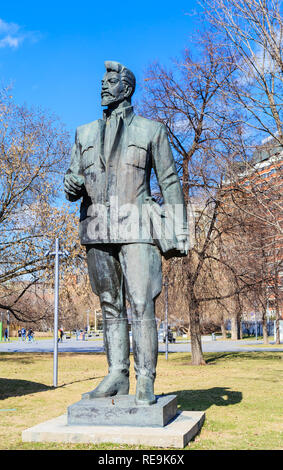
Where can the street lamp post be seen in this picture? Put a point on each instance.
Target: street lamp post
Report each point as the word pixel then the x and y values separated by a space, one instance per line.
pixel 1 326
pixel 56 255
pixel 166 284
pixel 87 321
pixel 56 311
pixel 8 324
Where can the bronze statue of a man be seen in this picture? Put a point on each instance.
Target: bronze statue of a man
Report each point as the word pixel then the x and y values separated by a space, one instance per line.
pixel 110 170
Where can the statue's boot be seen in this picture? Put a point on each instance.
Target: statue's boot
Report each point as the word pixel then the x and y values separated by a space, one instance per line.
pixel 116 341
pixel 145 349
pixel 145 391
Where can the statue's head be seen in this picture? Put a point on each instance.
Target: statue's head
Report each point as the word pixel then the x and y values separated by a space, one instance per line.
pixel 118 84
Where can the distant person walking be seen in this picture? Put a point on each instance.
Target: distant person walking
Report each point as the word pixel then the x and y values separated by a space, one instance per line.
pixel 61 333
pixel 30 334
pixel 6 335
pixel 24 334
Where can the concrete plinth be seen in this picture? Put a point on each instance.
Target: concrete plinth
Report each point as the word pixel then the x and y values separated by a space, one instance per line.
pixel 175 434
pixel 121 410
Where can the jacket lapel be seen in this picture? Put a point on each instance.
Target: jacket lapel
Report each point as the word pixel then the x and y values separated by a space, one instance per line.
pixel 128 117
pixel 101 132
pixel 116 138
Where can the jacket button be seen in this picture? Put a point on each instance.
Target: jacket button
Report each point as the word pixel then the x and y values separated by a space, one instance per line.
pixel 107 203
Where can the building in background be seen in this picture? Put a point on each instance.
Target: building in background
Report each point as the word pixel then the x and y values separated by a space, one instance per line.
pixel 257 187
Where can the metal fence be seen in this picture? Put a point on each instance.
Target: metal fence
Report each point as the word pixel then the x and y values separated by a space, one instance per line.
pixel 253 328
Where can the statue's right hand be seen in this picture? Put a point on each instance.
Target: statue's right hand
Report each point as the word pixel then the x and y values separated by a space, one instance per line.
pixel 73 184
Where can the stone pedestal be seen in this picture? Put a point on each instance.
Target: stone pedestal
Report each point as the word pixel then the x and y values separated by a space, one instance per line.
pixel 119 420
pixel 176 434
pixel 121 410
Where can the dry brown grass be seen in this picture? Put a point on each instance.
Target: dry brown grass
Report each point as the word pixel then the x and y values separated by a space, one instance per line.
pixel 241 394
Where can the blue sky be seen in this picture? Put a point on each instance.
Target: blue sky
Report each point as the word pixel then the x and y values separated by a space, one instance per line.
pixel 53 52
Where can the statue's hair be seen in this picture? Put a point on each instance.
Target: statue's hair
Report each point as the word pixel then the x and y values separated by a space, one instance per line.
pixel 126 74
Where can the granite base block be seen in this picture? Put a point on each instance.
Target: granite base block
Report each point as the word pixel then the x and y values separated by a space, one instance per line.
pixel 121 410
pixel 176 434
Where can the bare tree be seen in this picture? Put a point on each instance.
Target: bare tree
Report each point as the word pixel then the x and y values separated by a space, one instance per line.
pixel 253 32
pixel 189 100
pixel 33 151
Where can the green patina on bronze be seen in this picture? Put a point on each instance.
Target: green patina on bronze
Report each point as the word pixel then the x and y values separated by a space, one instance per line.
pixel 112 158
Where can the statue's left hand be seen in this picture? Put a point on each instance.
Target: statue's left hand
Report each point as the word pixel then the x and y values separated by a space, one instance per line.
pixel 73 184
pixel 183 244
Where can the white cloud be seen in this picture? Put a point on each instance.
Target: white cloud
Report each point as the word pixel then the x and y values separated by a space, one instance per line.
pixel 12 35
pixel 8 28
pixel 10 41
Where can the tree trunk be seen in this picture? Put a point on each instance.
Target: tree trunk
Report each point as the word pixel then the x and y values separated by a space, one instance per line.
pixel 194 315
pixel 240 334
pixel 235 327
pixel 277 318
pixel 196 349
pixel 223 329
pixel 264 327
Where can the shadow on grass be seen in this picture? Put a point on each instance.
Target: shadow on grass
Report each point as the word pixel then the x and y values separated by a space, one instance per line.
pixel 201 400
pixel 213 358
pixel 80 381
pixel 11 357
pixel 17 388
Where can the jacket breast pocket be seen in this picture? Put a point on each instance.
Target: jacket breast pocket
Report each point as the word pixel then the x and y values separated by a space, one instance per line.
pixel 136 155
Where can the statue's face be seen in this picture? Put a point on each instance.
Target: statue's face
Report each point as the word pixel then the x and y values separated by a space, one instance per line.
pixel 113 89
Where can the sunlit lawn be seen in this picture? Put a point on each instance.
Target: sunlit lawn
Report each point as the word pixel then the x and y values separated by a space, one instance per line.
pixel 241 394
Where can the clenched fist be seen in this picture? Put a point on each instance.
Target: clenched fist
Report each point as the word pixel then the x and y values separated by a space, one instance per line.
pixel 73 186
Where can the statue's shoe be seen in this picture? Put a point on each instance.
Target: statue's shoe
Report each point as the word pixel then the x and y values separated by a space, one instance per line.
pixel 115 383
pixel 144 391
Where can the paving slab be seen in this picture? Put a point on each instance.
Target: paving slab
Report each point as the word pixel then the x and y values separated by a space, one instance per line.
pixel 177 433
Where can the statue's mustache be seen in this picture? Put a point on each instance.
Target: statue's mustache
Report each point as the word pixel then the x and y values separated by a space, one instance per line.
pixel 106 93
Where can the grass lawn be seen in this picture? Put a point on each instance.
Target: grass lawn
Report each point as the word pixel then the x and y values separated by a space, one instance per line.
pixel 241 394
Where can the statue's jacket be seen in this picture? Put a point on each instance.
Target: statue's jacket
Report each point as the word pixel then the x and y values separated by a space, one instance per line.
pixel 116 195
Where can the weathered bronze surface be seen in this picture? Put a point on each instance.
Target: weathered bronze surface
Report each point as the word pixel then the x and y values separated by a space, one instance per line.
pixel 110 169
